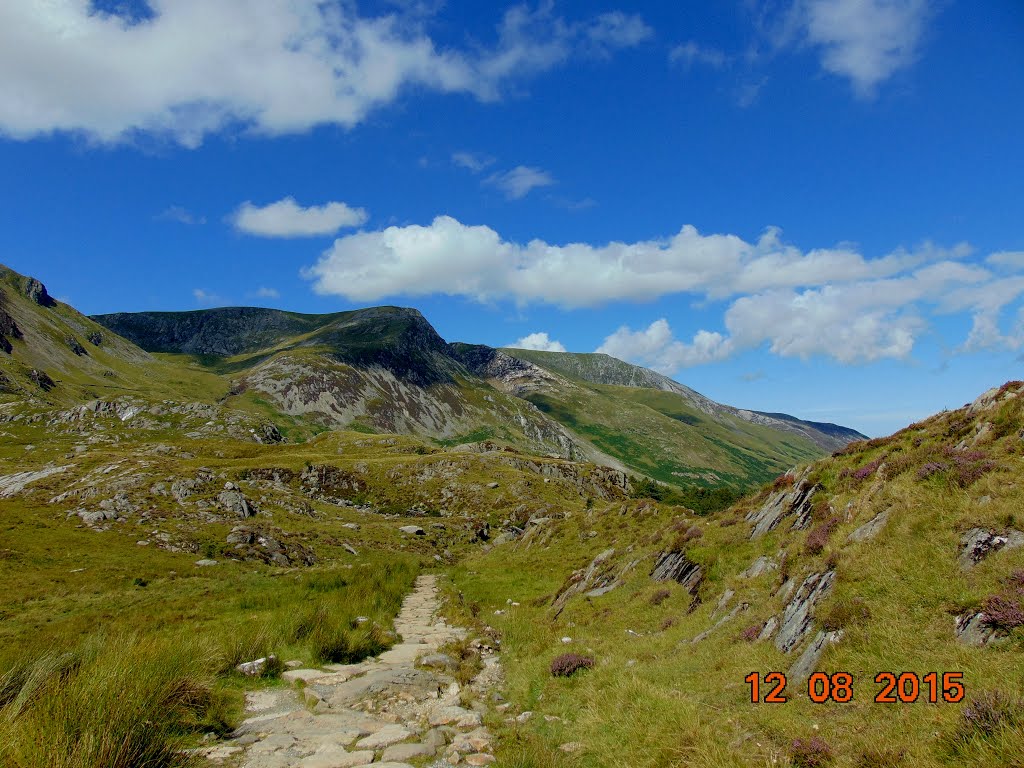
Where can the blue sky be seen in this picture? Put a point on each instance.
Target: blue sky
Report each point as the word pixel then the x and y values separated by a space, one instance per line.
pixel 809 206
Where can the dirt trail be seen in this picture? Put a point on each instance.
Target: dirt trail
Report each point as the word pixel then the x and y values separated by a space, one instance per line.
pixel 380 712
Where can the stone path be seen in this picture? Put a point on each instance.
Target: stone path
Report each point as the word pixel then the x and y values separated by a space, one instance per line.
pixel 381 712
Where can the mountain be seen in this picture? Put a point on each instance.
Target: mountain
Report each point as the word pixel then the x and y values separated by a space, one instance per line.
pixel 387 369
pixel 603 369
pixel 166 518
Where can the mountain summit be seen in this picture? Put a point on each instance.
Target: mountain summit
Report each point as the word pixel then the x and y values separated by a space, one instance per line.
pixel 387 369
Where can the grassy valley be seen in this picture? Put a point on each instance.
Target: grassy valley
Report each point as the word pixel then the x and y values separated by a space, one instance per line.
pixel 270 486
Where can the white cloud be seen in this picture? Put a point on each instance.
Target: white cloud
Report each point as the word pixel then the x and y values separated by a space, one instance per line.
pixel 205 297
pixel 520 181
pixel 472 161
pixel 286 218
pixel 180 215
pixel 825 301
pixel 267 293
pixel 1009 260
pixel 274 66
pixel 690 53
pixel 538 341
pixel 614 30
pixel 656 347
pixel 865 41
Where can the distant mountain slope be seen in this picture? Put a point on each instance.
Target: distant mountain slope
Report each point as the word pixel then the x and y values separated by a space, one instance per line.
pixel 386 369
pixel 603 369
pixel 52 353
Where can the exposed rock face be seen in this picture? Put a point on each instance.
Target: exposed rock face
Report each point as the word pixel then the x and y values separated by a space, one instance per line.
pixel 8 328
pixel 36 291
pixel 871 528
pixel 737 609
pixel 783 503
pixel 11 485
pixel 761 565
pixel 511 374
pixel 675 566
pixel 797 615
pixel 334 485
pixel 235 502
pixel 978 543
pixel 805 666
pixel 41 380
pixel 269 546
pixel 75 346
pixel 972 629
pixel 96 338
pixel 598 578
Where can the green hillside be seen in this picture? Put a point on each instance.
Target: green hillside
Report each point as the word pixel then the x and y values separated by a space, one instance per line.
pixel 901 555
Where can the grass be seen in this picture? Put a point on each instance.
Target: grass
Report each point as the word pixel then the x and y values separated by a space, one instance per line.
pixel 655 699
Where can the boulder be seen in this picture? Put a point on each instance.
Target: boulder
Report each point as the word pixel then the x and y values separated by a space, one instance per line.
pixel 233 501
pixel 385 737
pixel 413 530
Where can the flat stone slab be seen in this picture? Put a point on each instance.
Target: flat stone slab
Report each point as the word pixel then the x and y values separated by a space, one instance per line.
pixel 302 674
pixel 385 737
pixel 403 752
pixel 329 758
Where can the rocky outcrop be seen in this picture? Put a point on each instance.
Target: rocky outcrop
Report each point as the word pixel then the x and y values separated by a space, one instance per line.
pixel 762 565
pixel 972 629
pixel 75 346
pixel 268 545
pixel 805 666
pixel 331 484
pixel 870 529
pixel 8 328
pixel 978 543
pixel 12 485
pixel 798 613
pixel 677 567
pixel 788 501
pixel 601 576
pixel 41 380
pixel 233 501
pixel 36 292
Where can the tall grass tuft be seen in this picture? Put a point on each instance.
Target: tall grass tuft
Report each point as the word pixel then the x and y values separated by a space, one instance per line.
pixel 115 702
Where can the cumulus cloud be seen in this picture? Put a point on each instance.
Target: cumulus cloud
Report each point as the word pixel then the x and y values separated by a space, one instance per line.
pixel 539 341
pixel 801 303
pixel 520 181
pixel 275 66
pixel 657 348
pixel 286 218
pixel 865 41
